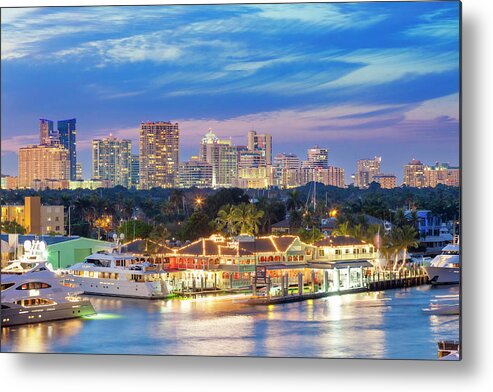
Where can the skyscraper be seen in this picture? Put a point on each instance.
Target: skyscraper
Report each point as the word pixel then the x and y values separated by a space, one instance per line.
pixel 195 173
pixel 286 170
pixel 318 158
pixel 441 173
pixel 42 163
pixel 261 143
pixel 222 155
pixel 45 131
pixel 386 181
pixel 112 160
pixel 134 171
pixel 159 154
pixel 67 136
pixel 365 171
pixel 331 175
pixel 78 170
pixel 414 174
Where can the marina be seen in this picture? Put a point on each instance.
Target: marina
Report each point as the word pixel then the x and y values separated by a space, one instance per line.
pixel 382 324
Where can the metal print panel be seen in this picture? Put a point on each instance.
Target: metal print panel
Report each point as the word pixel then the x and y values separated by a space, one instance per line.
pixel 272 180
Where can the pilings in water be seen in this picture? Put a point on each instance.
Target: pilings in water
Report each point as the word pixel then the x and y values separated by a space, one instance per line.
pixel 375 282
pixel 396 279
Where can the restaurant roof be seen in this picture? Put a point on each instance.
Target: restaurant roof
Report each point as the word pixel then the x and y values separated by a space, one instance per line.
pixel 339 240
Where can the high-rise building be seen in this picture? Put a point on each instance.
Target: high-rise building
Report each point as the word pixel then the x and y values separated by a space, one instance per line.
pixel 45 131
pixel 250 159
pixel 286 169
pixel 386 181
pixel 261 143
pixel 78 171
pixel 134 171
pixel 195 173
pixel 365 171
pixel 42 163
pixel 67 137
pixel 331 175
pixel 414 175
pixel 441 173
pixel 159 154
pixel 318 158
pixel 222 155
pixel 112 160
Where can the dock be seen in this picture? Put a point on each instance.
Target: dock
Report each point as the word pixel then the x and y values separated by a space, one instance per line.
pixel 376 282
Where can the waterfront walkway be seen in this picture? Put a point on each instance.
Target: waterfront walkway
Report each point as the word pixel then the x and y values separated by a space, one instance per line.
pixel 289 293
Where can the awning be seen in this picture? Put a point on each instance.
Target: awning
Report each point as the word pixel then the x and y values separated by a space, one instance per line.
pixel 341 264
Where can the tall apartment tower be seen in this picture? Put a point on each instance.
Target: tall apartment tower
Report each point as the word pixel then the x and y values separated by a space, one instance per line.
pixel 67 136
pixel 286 168
pixel 222 155
pixel 261 143
pixel 318 158
pixel 134 171
pixel 414 174
pixel 195 173
pixel 159 154
pixel 45 131
pixel 43 163
pixel 365 171
pixel 112 160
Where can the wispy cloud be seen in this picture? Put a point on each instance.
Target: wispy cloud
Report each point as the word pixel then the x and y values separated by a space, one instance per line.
pixel 13 143
pixel 331 16
pixel 439 24
pixel 368 123
pixel 25 30
pixel 132 49
pixel 378 66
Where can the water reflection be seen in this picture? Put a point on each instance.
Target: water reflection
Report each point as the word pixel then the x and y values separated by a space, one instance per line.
pixel 387 324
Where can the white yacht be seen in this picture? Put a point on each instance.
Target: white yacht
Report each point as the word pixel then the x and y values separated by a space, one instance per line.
pixel 445 268
pixel 31 292
pixel 118 274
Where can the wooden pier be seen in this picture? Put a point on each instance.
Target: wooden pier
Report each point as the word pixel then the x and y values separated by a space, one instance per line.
pixel 376 282
pixel 393 280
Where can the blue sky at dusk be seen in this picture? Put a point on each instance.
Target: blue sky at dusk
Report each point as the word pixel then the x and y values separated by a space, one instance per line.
pixel 361 79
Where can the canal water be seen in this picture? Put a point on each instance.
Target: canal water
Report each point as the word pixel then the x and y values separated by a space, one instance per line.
pixel 388 324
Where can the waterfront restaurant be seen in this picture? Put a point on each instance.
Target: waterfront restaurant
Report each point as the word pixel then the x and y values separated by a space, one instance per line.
pixel 341 262
pixel 333 264
pixel 216 263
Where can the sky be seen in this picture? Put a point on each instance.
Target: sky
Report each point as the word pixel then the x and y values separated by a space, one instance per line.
pixel 361 79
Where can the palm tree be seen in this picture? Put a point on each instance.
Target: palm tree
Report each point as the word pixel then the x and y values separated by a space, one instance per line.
pixel 387 249
pixel 407 240
pixel 255 218
pixel 247 218
pixel 342 229
pixel 371 233
pixel 293 201
pixel 226 218
pixel 177 198
pixel 157 237
pixel 358 231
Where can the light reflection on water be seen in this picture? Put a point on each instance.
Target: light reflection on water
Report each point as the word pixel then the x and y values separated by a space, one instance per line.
pixel 387 324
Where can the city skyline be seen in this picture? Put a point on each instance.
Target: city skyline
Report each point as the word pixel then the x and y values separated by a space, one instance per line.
pixel 336 82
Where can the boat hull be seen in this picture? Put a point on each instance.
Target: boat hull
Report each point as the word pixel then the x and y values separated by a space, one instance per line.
pixel 21 315
pixel 121 288
pixel 443 275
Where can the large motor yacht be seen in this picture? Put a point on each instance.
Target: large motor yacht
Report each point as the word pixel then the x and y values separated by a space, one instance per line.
pixel 445 268
pixel 119 274
pixel 31 292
